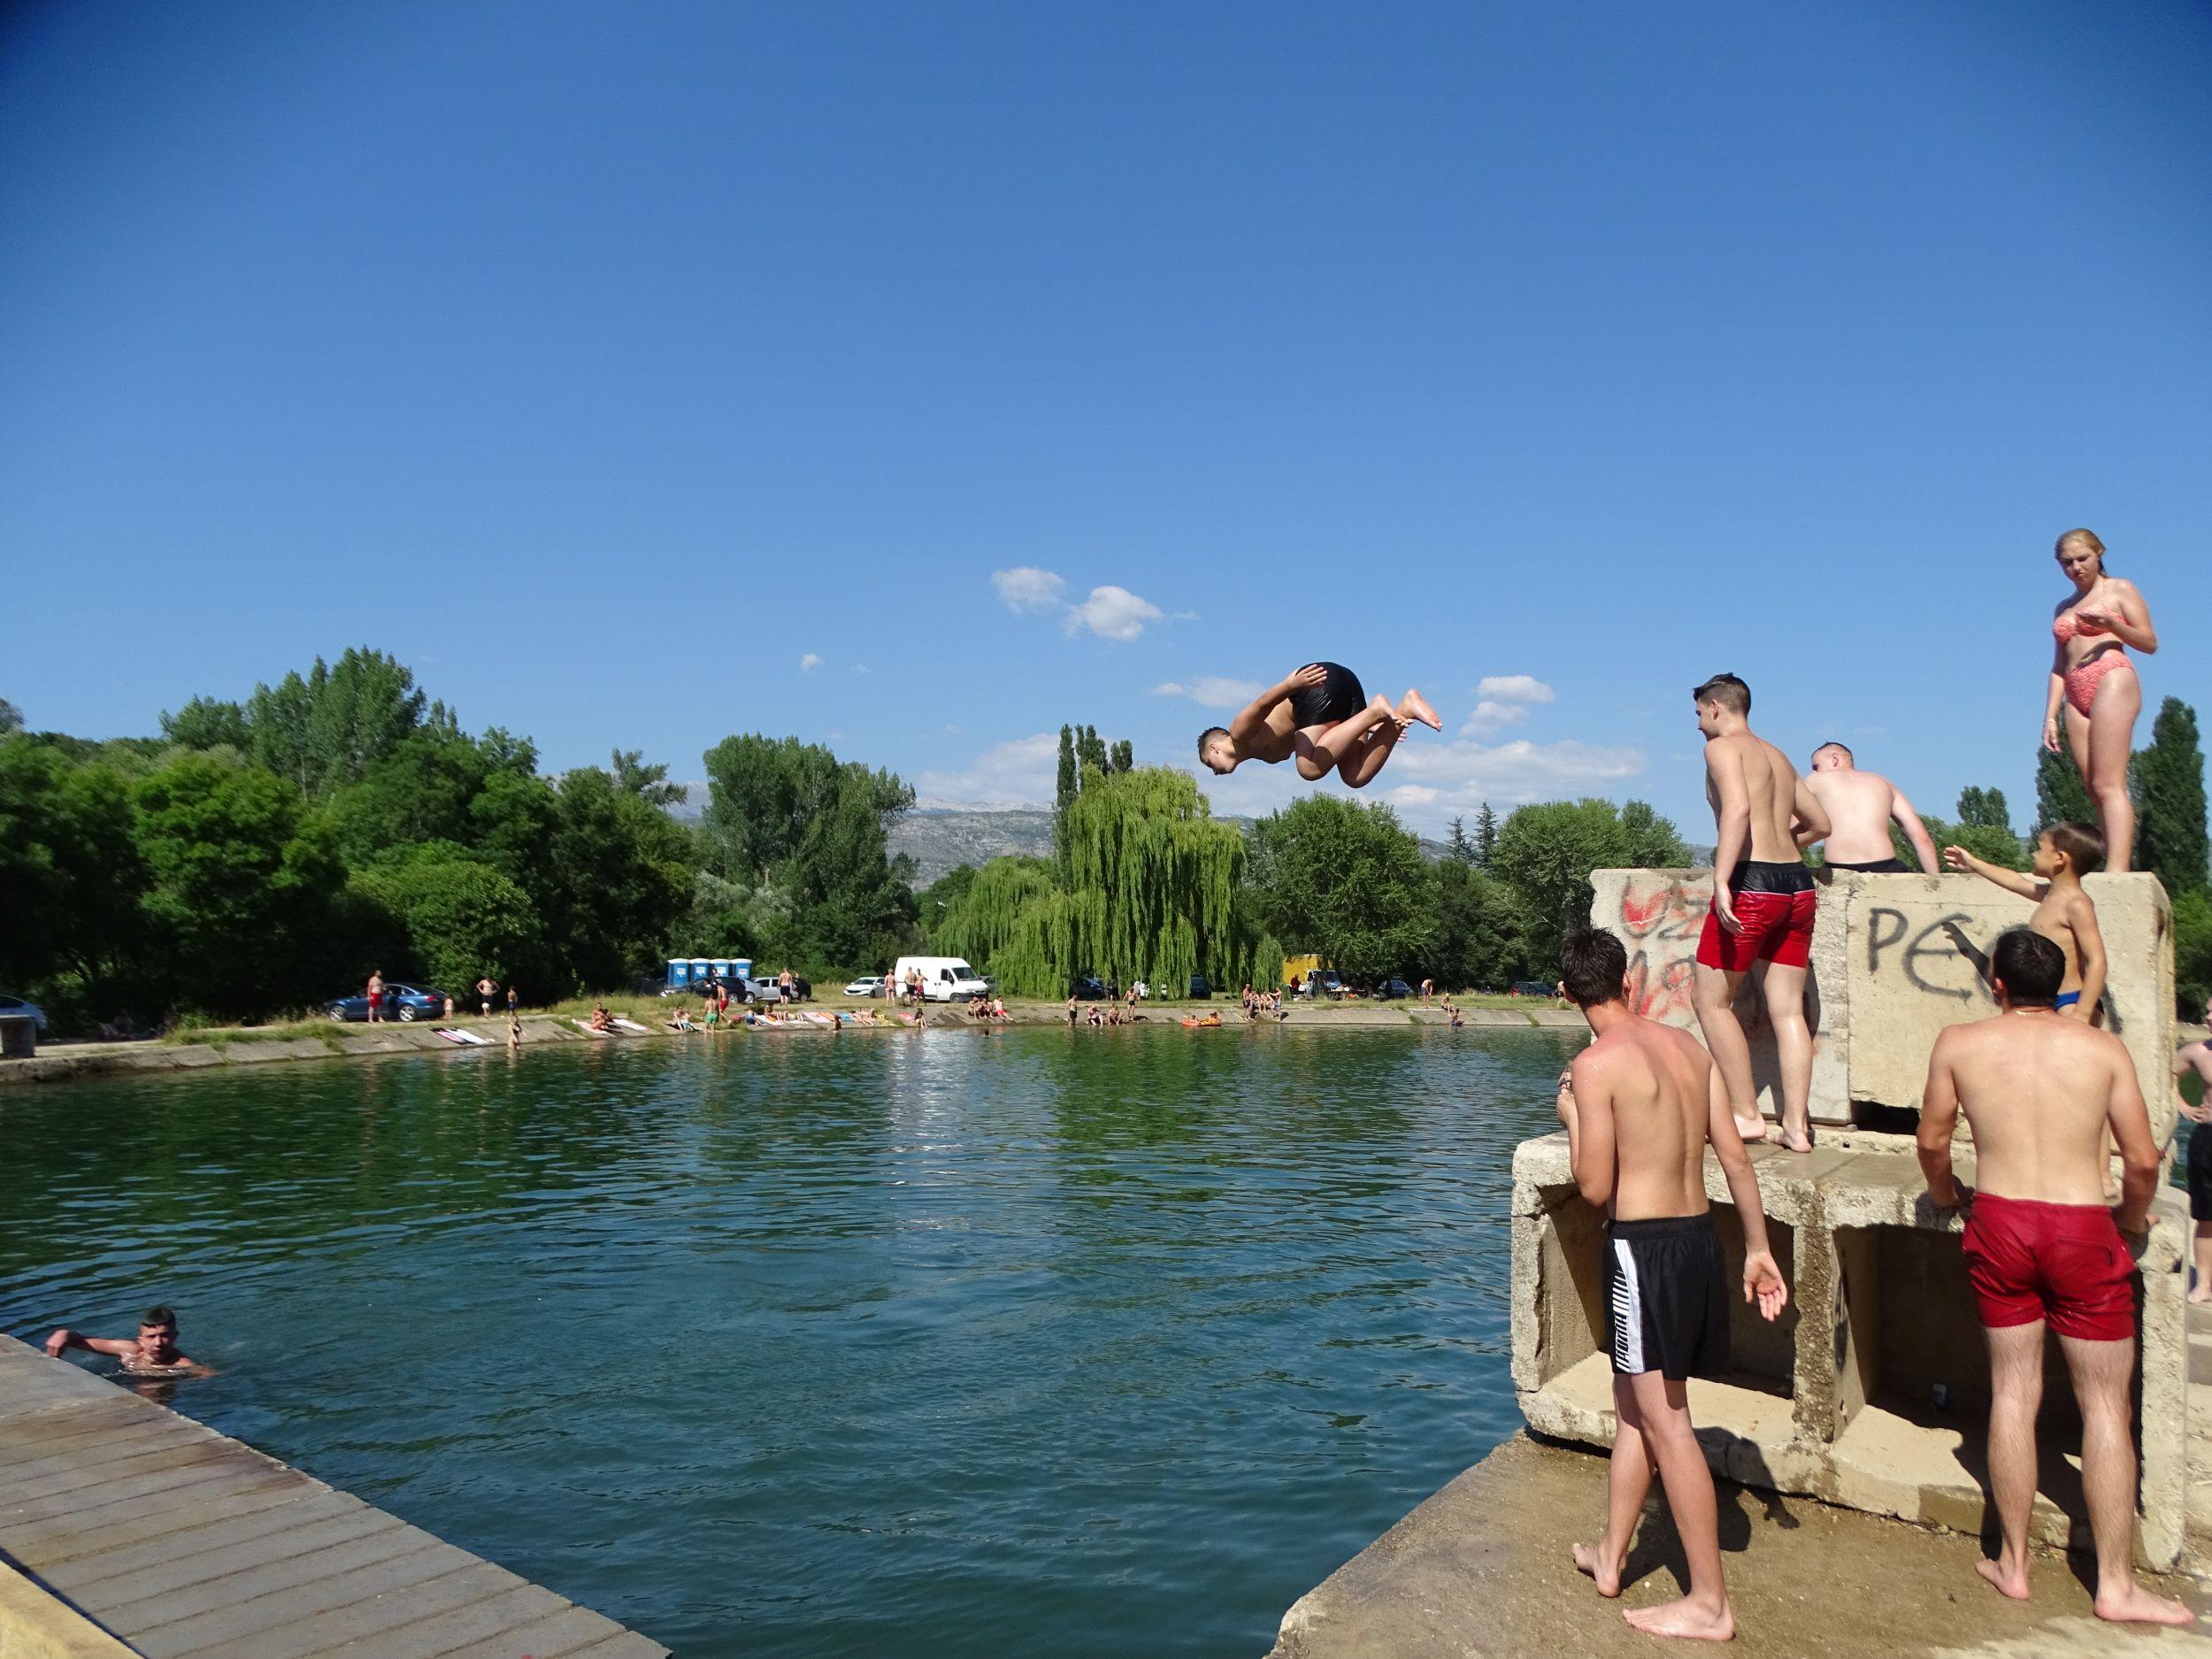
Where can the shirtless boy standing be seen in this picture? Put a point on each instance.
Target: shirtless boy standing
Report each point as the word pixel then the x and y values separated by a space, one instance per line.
pixel 1860 806
pixel 2040 1091
pixel 1322 718
pixel 153 1352
pixel 2064 914
pixel 1762 907
pixel 1640 1110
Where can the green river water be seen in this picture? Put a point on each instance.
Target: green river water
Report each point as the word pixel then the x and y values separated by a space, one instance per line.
pixel 1078 1343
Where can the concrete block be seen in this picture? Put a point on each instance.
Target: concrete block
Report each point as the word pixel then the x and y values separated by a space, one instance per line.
pixel 1873 1391
pixel 1894 960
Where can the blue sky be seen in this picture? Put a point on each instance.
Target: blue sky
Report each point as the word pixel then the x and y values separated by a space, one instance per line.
pixel 641 374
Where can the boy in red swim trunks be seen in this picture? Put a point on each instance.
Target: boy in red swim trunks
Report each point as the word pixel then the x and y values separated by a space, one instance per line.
pixel 2040 1090
pixel 1762 908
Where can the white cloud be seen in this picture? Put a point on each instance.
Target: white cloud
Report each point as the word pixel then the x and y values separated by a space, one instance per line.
pixel 808 662
pixel 1515 688
pixel 1026 588
pixel 1416 794
pixel 1213 691
pixel 1489 717
pixel 1112 613
pixel 1022 772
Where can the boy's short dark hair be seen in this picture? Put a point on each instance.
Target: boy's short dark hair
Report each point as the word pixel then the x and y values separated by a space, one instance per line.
pixel 1831 743
pixel 2081 843
pixel 2028 965
pixel 1728 691
pixel 1209 734
pixel 160 1315
pixel 1592 965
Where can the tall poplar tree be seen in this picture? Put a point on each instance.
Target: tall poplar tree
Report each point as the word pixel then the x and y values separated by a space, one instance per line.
pixel 2169 779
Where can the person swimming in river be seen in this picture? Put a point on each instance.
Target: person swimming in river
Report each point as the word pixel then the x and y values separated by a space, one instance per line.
pixel 1321 718
pixel 153 1353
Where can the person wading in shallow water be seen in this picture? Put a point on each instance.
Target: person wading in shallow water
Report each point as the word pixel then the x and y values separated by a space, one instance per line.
pixel 1640 1110
pixel 2040 1091
pixel 153 1352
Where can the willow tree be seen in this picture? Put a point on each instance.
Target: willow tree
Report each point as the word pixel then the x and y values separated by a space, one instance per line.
pixel 1152 890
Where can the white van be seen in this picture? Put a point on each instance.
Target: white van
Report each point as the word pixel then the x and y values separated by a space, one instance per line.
pixel 944 979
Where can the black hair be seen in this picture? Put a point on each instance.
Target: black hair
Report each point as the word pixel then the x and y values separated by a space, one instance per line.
pixel 2030 967
pixel 1209 734
pixel 1728 691
pixel 1592 965
pixel 1832 743
pixel 160 1315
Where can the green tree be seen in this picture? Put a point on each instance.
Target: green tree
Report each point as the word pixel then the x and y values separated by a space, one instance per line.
pixel 10 718
pixel 2061 797
pixel 1486 836
pixel 1653 841
pixel 208 723
pixel 461 919
pixel 326 730
pixel 2193 952
pixel 1459 845
pixel 649 784
pixel 1478 925
pixel 1122 756
pixel 240 885
pixel 423 789
pixel 2169 788
pixel 623 871
pixel 70 872
pixel 1346 881
pixel 979 913
pixel 1984 809
pixel 1545 854
pixel 941 897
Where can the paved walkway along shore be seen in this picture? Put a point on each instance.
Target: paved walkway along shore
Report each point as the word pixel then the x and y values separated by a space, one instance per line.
pixel 73 1061
pixel 121 1516
pixel 1481 1571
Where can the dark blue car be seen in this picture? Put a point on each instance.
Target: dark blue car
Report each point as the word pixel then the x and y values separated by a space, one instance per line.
pixel 400 1001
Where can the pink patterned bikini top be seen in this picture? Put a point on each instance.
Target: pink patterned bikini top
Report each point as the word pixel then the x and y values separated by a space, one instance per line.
pixel 2064 628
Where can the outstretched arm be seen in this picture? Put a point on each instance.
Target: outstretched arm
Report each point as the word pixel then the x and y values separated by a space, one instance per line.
pixel 1253 720
pixel 1762 1281
pixel 1938 1120
pixel 1908 820
pixel 64 1339
pixel 2010 880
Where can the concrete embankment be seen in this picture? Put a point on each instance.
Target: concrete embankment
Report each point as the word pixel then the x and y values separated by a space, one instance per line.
pixel 74 1062
pixel 1483 1568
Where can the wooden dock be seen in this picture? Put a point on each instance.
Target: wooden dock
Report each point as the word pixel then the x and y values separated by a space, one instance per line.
pixel 180 1541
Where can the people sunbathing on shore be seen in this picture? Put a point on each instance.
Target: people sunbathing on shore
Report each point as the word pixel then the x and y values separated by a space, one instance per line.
pixel 601 1020
pixel 1321 718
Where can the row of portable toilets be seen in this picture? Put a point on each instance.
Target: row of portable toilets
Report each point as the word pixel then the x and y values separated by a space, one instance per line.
pixel 690 971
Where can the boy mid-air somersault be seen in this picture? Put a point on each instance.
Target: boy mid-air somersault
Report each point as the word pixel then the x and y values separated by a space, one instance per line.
pixel 1639 1109
pixel 1323 718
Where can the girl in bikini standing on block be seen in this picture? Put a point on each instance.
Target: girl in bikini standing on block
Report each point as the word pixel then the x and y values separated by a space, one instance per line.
pixel 2093 686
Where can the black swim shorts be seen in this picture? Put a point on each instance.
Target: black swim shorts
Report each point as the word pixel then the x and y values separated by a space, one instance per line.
pixel 1666 1297
pixel 2201 1171
pixel 1879 867
pixel 1338 698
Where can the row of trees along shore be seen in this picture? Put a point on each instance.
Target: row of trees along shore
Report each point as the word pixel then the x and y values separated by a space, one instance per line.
pixel 259 857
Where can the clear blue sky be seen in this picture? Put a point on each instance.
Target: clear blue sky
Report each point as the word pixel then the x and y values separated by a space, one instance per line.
pixel 608 362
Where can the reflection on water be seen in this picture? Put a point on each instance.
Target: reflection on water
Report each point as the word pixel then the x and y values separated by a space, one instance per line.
pixel 1080 1342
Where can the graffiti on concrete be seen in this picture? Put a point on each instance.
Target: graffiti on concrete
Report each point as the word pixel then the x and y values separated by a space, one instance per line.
pixel 1659 921
pixel 1886 928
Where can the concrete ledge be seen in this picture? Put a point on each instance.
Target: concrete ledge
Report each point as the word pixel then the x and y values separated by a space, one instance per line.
pixel 1838 1400
pixel 35 1624
pixel 1482 1570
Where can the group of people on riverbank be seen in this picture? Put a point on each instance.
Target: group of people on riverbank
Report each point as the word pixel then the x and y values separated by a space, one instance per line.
pixel 2046 1091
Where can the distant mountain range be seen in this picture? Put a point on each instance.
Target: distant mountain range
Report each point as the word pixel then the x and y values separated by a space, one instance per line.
pixel 942 839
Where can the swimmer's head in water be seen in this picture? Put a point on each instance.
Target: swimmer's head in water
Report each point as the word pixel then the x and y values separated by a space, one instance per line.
pixel 1217 749
pixel 1831 756
pixel 1593 967
pixel 157 1331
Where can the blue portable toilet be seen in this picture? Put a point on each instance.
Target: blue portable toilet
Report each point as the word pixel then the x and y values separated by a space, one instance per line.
pixel 701 969
pixel 721 967
pixel 741 967
pixel 679 972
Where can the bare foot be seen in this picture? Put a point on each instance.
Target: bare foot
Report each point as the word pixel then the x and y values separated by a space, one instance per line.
pixel 2130 1603
pixel 2009 1580
pixel 1414 706
pixel 1756 1131
pixel 1684 1617
pixel 1591 1558
pixel 2201 1294
pixel 1796 1143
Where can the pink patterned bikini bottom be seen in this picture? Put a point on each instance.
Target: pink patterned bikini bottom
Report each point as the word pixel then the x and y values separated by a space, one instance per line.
pixel 2082 679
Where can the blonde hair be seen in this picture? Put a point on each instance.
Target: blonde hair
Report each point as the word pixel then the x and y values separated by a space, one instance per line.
pixel 2085 538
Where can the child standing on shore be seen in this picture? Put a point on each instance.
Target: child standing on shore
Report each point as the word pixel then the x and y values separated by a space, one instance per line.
pixel 2064 914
